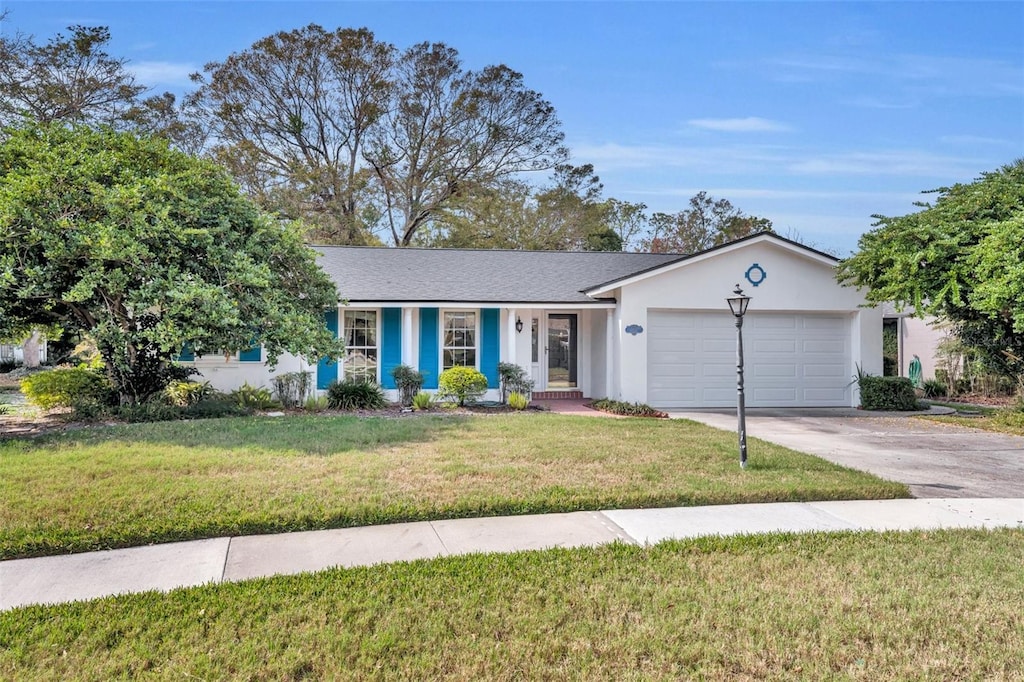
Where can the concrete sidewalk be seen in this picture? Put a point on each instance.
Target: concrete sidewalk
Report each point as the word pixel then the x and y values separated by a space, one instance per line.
pixel 164 567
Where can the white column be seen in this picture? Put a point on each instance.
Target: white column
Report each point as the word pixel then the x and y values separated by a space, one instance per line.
pixel 407 336
pixel 609 353
pixel 510 332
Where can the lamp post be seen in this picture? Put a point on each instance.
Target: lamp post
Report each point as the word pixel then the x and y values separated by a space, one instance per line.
pixel 738 305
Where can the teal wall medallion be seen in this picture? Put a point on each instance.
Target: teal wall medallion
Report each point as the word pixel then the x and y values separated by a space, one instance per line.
pixel 755 274
pixel 634 329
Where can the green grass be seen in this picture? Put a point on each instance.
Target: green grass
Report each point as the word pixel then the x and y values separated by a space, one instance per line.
pixel 1000 420
pixel 130 485
pixel 940 605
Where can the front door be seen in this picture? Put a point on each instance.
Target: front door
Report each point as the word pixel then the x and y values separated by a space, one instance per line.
pixel 561 350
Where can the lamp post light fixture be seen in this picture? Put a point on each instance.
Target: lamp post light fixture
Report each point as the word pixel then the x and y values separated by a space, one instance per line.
pixel 519 325
pixel 738 303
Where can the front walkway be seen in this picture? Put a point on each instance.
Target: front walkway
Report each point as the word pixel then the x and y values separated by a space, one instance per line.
pixel 65 578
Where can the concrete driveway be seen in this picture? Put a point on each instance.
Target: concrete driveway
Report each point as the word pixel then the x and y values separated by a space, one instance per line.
pixel 935 460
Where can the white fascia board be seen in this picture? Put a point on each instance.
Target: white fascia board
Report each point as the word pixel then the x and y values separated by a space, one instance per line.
pixel 582 305
pixel 606 289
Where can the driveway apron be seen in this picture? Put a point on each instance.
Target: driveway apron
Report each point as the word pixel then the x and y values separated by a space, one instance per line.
pixel 934 459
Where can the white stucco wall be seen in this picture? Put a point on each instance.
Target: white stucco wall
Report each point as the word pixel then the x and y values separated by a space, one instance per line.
pixel 793 282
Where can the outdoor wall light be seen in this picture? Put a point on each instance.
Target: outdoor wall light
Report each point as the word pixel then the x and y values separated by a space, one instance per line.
pixel 738 305
pixel 519 325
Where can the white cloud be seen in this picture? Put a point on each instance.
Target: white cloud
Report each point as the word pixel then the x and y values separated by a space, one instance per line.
pixel 909 163
pixel 153 74
pixel 750 124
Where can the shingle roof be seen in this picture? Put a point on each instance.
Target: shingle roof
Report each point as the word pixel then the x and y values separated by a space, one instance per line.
pixel 364 273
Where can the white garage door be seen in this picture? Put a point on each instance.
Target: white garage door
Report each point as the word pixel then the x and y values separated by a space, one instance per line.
pixel 790 360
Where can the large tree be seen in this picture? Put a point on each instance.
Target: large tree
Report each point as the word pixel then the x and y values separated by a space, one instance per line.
pixel 706 223
pixel 343 129
pixel 70 78
pixel 567 214
pixel 147 249
pixel 960 258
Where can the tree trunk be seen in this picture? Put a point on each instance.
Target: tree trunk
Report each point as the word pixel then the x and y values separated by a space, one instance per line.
pixel 30 350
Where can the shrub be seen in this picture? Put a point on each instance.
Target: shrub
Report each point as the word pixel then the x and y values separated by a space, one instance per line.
pixel 518 401
pixel 315 403
pixel 627 409
pixel 150 411
pixel 355 395
pixel 7 366
pixel 64 386
pixel 422 401
pixel 933 388
pixel 461 384
pixel 408 381
pixel 513 379
pixel 887 393
pixel 185 393
pixel 214 408
pixel 252 397
pixel 292 388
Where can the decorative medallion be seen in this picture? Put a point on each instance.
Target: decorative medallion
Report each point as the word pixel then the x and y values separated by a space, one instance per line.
pixel 756 274
pixel 634 329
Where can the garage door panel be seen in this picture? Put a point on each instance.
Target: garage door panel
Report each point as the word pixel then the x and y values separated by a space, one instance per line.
pixel 764 370
pixel 835 346
pixel 790 359
pixel 770 345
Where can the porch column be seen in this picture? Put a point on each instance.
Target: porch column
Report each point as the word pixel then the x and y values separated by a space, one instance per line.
pixel 510 331
pixel 407 336
pixel 609 352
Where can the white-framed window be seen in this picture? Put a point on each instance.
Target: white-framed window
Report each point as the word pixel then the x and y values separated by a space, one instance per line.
pixel 359 331
pixel 459 339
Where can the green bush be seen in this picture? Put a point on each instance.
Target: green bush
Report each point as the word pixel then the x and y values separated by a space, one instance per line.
pixel 355 395
pixel 422 401
pixel 408 381
pixel 315 403
pixel 65 386
pixel 518 401
pixel 512 379
pixel 160 411
pixel 887 393
pixel 461 384
pixel 933 388
pixel 185 393
pixel 252 397
pixel 627 409
pixel 292 388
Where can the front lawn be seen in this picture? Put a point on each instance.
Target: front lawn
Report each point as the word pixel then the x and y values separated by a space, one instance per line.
pixel 1002 420
pixel 130 485
pixel 936 605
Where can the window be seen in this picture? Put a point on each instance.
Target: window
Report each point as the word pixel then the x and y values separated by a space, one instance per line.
pixel 459 345
pixel 360 334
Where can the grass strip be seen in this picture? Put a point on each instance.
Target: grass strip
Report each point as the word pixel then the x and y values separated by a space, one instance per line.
pixel 916 605
pixel 137 484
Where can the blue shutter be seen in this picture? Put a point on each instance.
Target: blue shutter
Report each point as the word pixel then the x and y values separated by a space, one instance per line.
pixel 390 344
pixel 187 354
pixel 327 369
pixel 428 346
pixel 490 344
pixel 254 354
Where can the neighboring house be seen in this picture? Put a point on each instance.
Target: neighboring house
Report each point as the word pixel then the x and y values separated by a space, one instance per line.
pixel 14 353
pixel 651 328
pixel 916 337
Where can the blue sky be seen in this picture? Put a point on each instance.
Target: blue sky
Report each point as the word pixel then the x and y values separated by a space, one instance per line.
pixel 815 115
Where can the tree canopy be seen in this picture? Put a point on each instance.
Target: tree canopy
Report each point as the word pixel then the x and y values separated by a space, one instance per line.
pixel 706 223
pixel 961 258
pixel 346 130
pixel 147 249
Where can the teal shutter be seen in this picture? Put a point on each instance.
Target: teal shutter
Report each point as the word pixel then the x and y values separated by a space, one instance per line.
pixel 390 344
pixel 254 354
pixel 327 369
pixel 186 354
pixel 429 351
pixel 490 345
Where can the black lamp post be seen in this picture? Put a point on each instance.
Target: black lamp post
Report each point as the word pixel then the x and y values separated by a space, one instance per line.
pixel 738 305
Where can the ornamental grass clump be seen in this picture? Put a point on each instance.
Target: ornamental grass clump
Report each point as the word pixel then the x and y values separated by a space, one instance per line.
pixel 355 395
